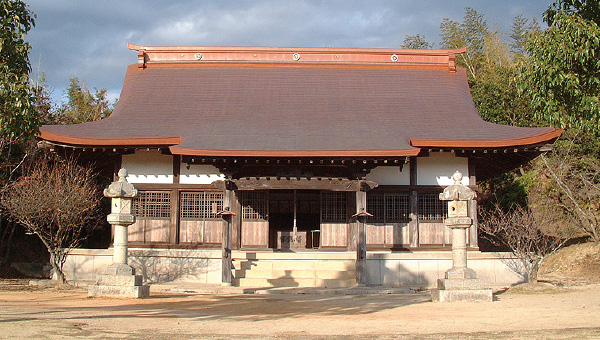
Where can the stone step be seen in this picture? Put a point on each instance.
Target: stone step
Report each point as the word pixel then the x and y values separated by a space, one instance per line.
pixel 290 272
pixel 295 274
pixel 340 265
pixel 291 282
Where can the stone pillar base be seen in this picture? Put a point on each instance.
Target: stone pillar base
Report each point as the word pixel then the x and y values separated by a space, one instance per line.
pixel 438 295
pixel 461 290
pixel 119 280
pixel 119 291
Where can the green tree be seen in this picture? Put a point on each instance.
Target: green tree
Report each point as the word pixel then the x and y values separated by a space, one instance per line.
pixel 491 63
pixel 562 78
pixel 562 75
pixel 470 33
pixel 82 105
pixel 587 9
pixel 521 30
pixel 416 42
pixel 18 118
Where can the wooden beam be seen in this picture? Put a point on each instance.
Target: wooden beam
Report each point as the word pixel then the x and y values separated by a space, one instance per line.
pixel 273 183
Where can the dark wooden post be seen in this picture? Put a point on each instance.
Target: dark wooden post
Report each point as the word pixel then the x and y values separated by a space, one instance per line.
pixel 227 215
pixel 473 241
pixel 361 246
pixel 473 232
pixel 174 223
pixel 413 224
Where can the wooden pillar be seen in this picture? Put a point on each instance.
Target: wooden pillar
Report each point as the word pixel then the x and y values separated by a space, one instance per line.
pixel 351 209
pixel 236 221
pixel 473 230
pixel 174 223
pixel 413 224
pixel 361 244
pixel 227 215
pixel 118 165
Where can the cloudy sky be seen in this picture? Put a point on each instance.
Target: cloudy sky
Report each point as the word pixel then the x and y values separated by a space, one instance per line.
pixel 88 39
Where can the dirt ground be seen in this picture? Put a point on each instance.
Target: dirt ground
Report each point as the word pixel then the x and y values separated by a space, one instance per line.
pixel 565 306
pixel 543 311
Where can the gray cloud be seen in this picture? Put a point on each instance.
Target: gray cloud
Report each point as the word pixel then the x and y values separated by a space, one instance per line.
pixel 87 39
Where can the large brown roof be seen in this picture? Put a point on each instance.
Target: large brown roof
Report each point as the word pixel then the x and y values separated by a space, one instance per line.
pixel 329 103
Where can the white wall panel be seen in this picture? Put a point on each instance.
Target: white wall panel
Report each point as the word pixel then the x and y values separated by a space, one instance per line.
pixel 199 174
pixel 438 168
pixel 390 175
pixel 148 167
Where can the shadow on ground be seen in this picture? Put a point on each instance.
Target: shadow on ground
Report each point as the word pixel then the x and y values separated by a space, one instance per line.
pixel 233 307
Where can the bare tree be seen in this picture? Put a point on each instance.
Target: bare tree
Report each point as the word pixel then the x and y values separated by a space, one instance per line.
pixel 572 193
pixel 518 230
pixel 58 201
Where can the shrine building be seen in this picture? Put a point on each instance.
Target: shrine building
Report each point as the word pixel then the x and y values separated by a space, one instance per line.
pixel 300 141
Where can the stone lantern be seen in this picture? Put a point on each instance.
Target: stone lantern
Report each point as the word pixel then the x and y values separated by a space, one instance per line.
pixel 119 279
pixel 460 282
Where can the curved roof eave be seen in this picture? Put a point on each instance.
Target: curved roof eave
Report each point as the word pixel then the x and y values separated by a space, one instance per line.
pixel 71 140
pixel 532 140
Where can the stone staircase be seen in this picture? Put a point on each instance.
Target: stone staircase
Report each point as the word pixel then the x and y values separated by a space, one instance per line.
pixel 294 270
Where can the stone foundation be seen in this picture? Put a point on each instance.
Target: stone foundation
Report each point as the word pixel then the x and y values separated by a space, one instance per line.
pixel 450 295
pixel 388 269
pixel 119 280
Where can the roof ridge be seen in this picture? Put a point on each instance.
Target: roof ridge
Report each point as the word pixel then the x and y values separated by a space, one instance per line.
pixel 295 55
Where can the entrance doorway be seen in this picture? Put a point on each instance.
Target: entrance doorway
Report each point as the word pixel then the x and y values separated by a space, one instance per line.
pixel 294 219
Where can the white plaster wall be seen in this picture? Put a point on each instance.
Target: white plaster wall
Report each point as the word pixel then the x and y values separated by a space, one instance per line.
pixel 423 269
pixel 438 168
pixel 181 265
pixel 148 167
pixel 390 175
pixel 199 174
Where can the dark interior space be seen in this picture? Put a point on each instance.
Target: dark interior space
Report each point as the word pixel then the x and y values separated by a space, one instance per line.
pixel 281 213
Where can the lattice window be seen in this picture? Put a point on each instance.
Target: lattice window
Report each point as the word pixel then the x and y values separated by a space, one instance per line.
pixel 376 207
pixel 255 204
pixel 333 206
pixel 397 208
pixel 388 207
pixel 200 205
pixel 431 208
pixel 152 204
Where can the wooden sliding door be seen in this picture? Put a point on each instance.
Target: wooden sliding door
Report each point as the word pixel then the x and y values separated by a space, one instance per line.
pixel 255 218
pixel 334 219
